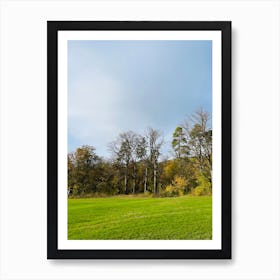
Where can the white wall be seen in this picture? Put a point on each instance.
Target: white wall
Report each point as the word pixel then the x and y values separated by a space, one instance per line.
pixel 255 140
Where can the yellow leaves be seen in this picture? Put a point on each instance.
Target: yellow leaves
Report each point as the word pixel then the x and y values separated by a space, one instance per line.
pixel 204 187
pixel 177 188
pixel 171 169
pixel 179 182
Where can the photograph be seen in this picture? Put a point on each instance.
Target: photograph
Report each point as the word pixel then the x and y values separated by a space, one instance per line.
pixel 139 140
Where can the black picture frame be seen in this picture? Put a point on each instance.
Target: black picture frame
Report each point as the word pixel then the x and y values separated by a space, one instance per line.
pixel 53 27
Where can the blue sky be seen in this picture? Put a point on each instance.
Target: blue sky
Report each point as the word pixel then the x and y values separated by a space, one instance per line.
pixel 116 86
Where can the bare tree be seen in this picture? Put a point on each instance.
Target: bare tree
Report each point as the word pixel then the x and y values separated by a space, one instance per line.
pixel 155 142
pixel 122 149
pixel 142 155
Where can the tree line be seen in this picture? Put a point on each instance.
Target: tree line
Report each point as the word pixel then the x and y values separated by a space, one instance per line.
pixel 135 165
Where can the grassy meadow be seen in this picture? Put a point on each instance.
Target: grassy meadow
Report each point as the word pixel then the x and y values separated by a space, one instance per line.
pixel 133 217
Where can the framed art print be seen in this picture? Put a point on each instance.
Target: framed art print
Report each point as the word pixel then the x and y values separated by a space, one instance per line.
pixel 139 140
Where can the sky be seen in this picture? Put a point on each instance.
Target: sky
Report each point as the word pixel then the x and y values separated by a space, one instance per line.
pixel 116 86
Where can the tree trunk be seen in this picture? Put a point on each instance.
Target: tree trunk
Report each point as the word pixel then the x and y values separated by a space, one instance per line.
pixel 125 179
pixel 134 177
pixel 145 179
pixel 155 178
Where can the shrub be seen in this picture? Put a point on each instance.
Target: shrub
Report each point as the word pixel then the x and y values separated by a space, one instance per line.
pixel 201 190
pixel 170 191
pixel 204 187
pixel 101 187
pixel 180 183
pixel 177 188
pixel 76 190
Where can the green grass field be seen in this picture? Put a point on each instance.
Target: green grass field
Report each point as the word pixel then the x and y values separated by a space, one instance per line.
pixel 128 217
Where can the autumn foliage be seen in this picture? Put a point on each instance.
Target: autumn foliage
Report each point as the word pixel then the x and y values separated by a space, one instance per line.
pixel 136 166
